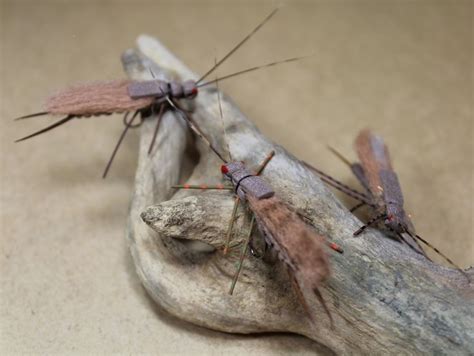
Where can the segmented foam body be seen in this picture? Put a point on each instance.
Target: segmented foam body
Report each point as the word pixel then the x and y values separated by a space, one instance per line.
pixel 246 183
pixel 159 89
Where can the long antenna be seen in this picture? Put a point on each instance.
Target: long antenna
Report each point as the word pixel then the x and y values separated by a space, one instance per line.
pixel 194 126
pixel 56 124
pixel 252 69
pixel 222 118
pixel 415 236
pixel 117 145
pixel 370 223
pixel 238 45
pixel 418 248
pixel 242 255
pixel 339 155
pixel 339 185
pixel 157 126
pixel 32 115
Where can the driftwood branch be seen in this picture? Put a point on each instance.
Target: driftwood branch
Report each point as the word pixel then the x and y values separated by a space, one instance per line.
pixel 384 298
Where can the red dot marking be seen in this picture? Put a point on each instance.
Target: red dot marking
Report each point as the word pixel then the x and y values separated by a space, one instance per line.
pixel 335 247
pixel 224 169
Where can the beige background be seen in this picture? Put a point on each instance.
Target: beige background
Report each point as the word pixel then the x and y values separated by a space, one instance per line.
pixel 67 280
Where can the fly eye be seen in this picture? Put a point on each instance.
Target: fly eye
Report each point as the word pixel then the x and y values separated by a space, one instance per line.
pixel 194 92
pixel 224 169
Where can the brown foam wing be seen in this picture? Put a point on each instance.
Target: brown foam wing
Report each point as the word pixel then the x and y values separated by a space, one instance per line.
pixel 374 157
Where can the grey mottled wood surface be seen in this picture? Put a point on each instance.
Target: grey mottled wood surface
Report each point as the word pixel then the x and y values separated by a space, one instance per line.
pixel 384 298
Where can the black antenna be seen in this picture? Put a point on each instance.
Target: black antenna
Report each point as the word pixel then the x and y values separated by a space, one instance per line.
pixel 222 116
pixel 32 115
pixel 361 197
pixel 122 136
pixel 56 124
pixel 251 70
pixel 238 45
pixel 194 126
pixel 370 223
pixel 417 237
pixel 339 155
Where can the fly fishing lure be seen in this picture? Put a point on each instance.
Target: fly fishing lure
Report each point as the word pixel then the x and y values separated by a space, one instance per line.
pixel 298 247
pixel 383 192
pixel 127 96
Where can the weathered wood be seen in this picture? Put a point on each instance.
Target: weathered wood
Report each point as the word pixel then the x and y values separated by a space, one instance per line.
pixel 384 298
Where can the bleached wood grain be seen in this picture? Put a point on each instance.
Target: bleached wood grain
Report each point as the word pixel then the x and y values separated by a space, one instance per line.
pixel 385 299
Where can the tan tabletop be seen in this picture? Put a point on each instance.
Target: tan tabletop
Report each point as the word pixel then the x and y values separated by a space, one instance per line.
pixel 68 284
